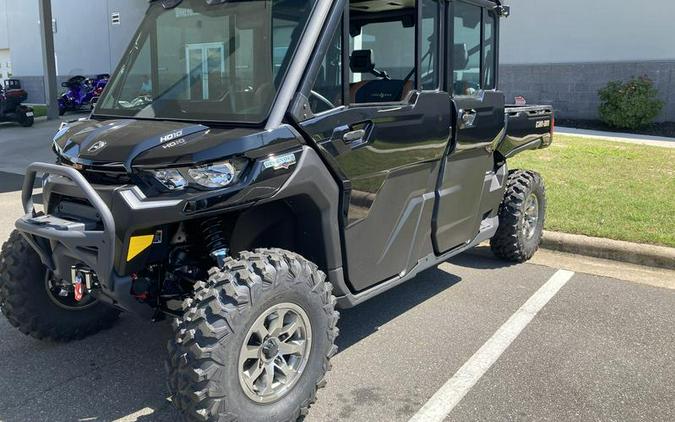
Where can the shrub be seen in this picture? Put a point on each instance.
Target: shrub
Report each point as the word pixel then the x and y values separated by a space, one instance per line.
pixel 629 105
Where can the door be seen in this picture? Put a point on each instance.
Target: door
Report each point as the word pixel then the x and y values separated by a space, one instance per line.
pixel 205 65
pixel 478 111
pixel 385 143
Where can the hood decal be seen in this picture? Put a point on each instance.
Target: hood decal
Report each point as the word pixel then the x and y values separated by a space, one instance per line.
pixel 175 136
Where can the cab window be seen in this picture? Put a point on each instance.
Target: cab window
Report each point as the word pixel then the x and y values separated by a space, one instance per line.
pixel 326 92
pixel 467 49
pixel 490 50
pixel 473 50
pixel 382 53
pixel 431 13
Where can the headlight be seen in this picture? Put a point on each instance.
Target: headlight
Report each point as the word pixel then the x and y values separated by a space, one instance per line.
pixel 212 176
pixel 170 178
pixel 217 175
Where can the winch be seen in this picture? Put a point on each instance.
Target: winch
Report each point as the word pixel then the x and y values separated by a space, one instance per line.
pixel 83 280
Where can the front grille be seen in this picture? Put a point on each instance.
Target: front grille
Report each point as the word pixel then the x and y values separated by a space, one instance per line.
pixel 111 174
pixel 106 175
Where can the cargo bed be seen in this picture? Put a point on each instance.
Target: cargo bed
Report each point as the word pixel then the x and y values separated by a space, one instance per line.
pixel 527 127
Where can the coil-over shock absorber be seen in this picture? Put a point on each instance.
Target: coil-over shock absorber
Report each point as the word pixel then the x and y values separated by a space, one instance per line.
pixel 215 239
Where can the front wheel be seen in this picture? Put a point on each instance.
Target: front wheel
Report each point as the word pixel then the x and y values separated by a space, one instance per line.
pixel 255 340
pixel 521 217
pixel 41 306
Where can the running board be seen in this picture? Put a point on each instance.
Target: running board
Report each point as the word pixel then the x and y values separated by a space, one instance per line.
pixel 488 228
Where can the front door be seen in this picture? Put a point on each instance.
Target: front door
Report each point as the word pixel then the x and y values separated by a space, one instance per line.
pixel 384 134
pixel 478 111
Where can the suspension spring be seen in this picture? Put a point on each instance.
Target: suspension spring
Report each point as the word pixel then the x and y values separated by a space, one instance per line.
pixel 214 234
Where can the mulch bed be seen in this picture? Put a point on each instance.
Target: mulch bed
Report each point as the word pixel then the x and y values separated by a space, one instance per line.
pixel 655 129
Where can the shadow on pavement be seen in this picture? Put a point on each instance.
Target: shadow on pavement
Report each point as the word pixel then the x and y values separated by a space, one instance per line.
pixel 480 258
pixel 10 182
pixel 108 376
pixel 360 322
pixel 4 125
pixel 121 371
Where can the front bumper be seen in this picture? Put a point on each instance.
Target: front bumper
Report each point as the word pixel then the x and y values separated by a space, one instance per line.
pixel 96 244
pixel 75 236
pixel 100 237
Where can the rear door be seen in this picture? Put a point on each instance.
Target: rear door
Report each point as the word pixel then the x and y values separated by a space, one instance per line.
pixel 478 114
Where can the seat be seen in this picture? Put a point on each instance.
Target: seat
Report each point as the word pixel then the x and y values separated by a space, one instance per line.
pixel 381 90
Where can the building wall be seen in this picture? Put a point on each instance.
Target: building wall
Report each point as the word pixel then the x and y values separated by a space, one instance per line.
pixel 131 14
pixel 5 65
pixel 4 35
pixel 86 42
pixel 563 52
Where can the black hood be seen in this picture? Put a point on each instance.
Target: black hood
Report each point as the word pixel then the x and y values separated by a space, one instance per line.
pixel 152 143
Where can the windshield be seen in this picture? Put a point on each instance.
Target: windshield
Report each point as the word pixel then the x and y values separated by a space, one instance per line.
pixel 219 63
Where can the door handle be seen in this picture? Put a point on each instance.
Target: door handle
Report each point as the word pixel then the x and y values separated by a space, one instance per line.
pixel 354 136
pixel 468 118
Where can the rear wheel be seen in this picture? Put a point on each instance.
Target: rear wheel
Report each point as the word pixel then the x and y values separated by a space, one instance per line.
pixel 26 121
pixel 521 217
pixel 254 342
pixel 40 305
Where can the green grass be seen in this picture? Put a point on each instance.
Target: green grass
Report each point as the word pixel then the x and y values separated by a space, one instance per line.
pixel 607 189
pixel 39 110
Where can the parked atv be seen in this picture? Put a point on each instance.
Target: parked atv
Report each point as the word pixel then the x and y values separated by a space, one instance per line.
pixel 81 93
pixel 11 109
pixel 98 84
pixel 248 180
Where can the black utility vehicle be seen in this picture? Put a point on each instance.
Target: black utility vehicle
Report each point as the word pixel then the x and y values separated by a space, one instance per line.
pixel 254 165
pixel 11 109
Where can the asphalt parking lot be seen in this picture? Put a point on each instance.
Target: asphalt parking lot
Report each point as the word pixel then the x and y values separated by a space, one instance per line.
pixel 474 339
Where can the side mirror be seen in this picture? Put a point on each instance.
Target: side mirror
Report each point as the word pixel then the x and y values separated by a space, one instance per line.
pixel 361 61
pixel 503 11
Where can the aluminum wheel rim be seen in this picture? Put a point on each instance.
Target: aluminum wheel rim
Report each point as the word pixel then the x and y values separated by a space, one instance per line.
pixel 275 352
pixel 530 216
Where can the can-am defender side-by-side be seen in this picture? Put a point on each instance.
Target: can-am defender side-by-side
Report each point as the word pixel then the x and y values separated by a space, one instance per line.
pixel 254 165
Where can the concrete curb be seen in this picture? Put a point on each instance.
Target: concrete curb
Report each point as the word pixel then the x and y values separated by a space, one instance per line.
pixel 634 253
pixel 654 141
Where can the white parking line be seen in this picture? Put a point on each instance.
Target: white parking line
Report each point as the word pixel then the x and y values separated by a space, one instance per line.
pixel 452 392
pixel 147 411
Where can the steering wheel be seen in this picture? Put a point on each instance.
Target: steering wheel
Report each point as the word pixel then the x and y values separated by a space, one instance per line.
pixel 322 99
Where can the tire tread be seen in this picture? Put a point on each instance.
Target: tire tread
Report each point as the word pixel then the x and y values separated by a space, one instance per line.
pixel 19 264
pixel 506 243
pixel 208 321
